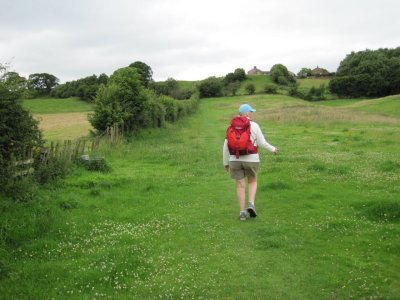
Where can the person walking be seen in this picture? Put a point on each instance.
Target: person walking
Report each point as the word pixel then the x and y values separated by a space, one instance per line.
pixel 246 165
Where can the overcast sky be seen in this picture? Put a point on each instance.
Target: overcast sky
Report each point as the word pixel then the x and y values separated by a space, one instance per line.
pixel 189 40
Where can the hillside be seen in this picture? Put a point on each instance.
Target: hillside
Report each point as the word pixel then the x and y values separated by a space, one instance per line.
pixel 164 222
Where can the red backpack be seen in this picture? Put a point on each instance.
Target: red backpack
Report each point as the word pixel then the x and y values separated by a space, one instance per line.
pixel 238 137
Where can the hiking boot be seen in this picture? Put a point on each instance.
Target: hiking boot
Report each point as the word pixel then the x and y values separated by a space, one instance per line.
pixel 252 210
pixel 242 216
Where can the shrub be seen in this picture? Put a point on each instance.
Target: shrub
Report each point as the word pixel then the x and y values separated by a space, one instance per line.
pixel 19 135
pixel 55 168
pixel 181 93
pixel 171 108
pixel 281 75
pixel 98 164
pixel 154 113
pixel 14 185
pixel 313 94
pixel 210 87
pixel 270 88
pixel 19 131
pixel 250 88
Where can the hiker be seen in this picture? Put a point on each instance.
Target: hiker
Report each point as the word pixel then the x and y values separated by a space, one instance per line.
pixel 245 163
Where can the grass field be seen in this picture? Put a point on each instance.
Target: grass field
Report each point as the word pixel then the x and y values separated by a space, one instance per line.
pixel 61 119
pixel 259 82
pixel 164 222
pixel 313 82
pixel 56 106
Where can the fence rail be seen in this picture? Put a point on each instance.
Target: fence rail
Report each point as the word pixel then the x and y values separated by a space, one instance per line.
pixel 24 167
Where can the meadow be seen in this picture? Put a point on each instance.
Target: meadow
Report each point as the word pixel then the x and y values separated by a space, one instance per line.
pixel 164 222
pixel 61 119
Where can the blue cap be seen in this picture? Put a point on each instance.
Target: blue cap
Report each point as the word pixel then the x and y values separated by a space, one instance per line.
pixel 244 108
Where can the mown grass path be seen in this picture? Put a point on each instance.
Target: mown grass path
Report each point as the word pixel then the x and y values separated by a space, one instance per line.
pixel 164 223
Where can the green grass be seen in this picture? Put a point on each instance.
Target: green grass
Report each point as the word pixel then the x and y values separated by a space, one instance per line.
pixel 387 106
pixel 164 222
pixel 185 84
pixel 61 119
pixel 338 102
pixel 53 105
pixel 259 81
pixel 313 82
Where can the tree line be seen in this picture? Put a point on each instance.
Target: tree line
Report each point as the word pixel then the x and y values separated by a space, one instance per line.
pixel 369 73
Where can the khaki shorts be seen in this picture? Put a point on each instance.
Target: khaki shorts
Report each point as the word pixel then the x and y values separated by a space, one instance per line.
pixel 242 169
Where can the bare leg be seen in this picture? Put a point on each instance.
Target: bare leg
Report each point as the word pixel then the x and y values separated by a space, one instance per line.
pixel 252 188
pixel 241 193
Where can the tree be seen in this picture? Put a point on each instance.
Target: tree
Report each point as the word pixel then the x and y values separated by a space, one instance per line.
pixel 103 79
pixel 145 72
pixel 42 83
pixel 210 87
pixel 250 88
pixel 229 78
pixel 85 88
pixel 369 73
pixel 304 73
pixel 281 75
pixel 15 83
pixel 240 74
pixel 121 101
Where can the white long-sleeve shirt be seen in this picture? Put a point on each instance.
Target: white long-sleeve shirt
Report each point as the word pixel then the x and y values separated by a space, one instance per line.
pixel 257 138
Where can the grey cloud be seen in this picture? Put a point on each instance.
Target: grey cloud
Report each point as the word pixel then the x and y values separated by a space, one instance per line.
pixel 189 39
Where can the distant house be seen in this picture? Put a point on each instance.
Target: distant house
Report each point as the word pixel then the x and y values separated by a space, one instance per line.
pixel 319 72
pixel 256 71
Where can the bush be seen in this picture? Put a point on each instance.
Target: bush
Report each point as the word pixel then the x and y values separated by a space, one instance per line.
pixel 270 88
pixel 98 164
pixel 250 88
pixel 181 93
pixel 154 114
pixel 20 188
pixel 210 87
pixel 19 131
pixel 55 168
pixel 313 94
pixel 171 108
pixel 281 75
pixel 19 135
